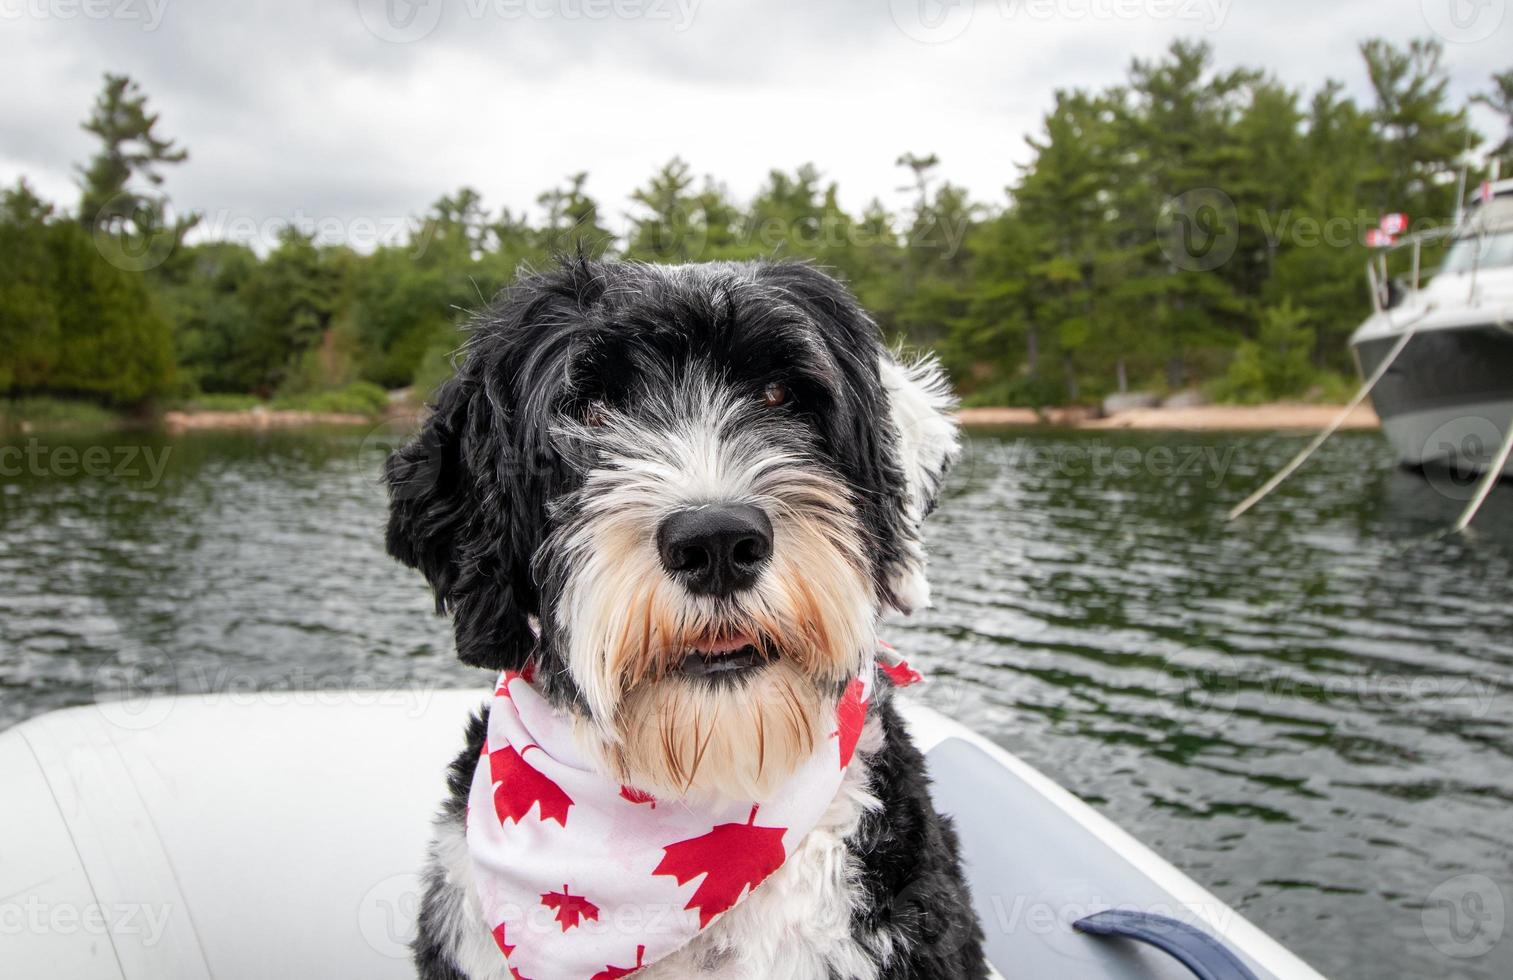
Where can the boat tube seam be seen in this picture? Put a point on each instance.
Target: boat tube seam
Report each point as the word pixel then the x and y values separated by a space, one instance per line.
pixel 94 893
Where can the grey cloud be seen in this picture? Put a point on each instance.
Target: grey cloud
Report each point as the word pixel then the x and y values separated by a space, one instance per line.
pixel 304 108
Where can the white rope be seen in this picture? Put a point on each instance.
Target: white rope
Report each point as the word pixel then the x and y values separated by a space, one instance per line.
pixel 1334 426
pixel 1493 474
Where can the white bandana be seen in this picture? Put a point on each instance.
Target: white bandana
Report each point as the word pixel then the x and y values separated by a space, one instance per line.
pixel 581 878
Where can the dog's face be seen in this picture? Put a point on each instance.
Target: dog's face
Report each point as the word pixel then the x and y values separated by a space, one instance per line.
pixel 702 485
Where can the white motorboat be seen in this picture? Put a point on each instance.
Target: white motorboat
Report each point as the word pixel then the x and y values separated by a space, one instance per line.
pixel 1446 398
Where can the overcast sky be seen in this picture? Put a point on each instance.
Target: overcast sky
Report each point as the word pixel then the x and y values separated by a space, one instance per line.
pixel 361 112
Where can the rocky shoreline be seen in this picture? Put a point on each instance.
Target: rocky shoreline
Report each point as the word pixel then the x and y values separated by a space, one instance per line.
pixel 1240 418
pixel 258 418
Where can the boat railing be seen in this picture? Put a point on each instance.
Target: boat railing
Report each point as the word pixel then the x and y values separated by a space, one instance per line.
pixel 1380 279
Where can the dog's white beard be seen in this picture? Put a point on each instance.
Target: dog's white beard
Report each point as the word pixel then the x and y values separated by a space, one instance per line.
pixel 629 624
pixel 735 740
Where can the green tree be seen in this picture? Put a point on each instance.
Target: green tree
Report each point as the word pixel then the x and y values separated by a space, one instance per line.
pixel 30 334
pixel 213 326
pixel 1500 100
pixel 114 342
pixel 669 227
pixel 572 220
pixel 1069 239
pixel 114 199
pixel 1277 364
pixel 292 297
pixel 1422 136
pixel 1177 119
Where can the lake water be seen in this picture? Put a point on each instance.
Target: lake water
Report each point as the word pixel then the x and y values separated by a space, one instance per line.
pixel 1310 711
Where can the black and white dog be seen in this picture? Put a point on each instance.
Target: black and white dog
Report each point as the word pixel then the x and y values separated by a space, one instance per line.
pixel 725 456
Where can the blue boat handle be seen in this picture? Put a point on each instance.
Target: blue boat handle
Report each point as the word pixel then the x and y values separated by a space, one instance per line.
pixel 1197 950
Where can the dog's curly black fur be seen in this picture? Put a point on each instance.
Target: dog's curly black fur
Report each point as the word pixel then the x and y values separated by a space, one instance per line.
pixel 476 499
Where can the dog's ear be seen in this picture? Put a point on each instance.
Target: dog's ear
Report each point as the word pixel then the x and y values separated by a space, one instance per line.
pixel 425 481
pixel 477 560
pixel 922 409
pixel 893 429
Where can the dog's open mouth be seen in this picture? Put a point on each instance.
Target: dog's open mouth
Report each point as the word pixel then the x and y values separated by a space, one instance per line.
pixel 728 657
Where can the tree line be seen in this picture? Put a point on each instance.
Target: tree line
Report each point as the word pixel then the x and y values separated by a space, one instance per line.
pixel 1190 226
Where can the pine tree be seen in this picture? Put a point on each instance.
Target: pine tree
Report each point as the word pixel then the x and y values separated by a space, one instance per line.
pixel 572 219
pixel 29 330
pixel 1422 137
pixel 113 198
pixel 1500 100
pixel 669 230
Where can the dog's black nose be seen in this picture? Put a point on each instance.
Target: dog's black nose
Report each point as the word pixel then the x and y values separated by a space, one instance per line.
pixel 717 549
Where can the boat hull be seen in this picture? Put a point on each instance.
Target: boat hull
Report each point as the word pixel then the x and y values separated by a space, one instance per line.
pixel 1447 400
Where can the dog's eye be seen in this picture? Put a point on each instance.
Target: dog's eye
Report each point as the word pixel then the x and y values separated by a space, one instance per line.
pixel 776 394
pixel 594 413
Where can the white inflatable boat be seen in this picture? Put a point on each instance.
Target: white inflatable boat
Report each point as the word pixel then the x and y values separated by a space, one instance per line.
pixel 199 837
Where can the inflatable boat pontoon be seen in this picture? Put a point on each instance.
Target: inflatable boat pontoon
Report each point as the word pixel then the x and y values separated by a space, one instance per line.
pixel 279 835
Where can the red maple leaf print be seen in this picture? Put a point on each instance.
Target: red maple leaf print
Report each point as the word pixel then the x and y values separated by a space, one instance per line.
pixel 901 674
pixel 526 673
pixel 520 787
pixel 571 909
pixel 731 857
pixel 637 796
pixel 506 949
pixel 616 972
pixel 849 716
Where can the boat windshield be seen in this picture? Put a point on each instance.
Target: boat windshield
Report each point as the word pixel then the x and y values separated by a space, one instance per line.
pixel 1493 249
